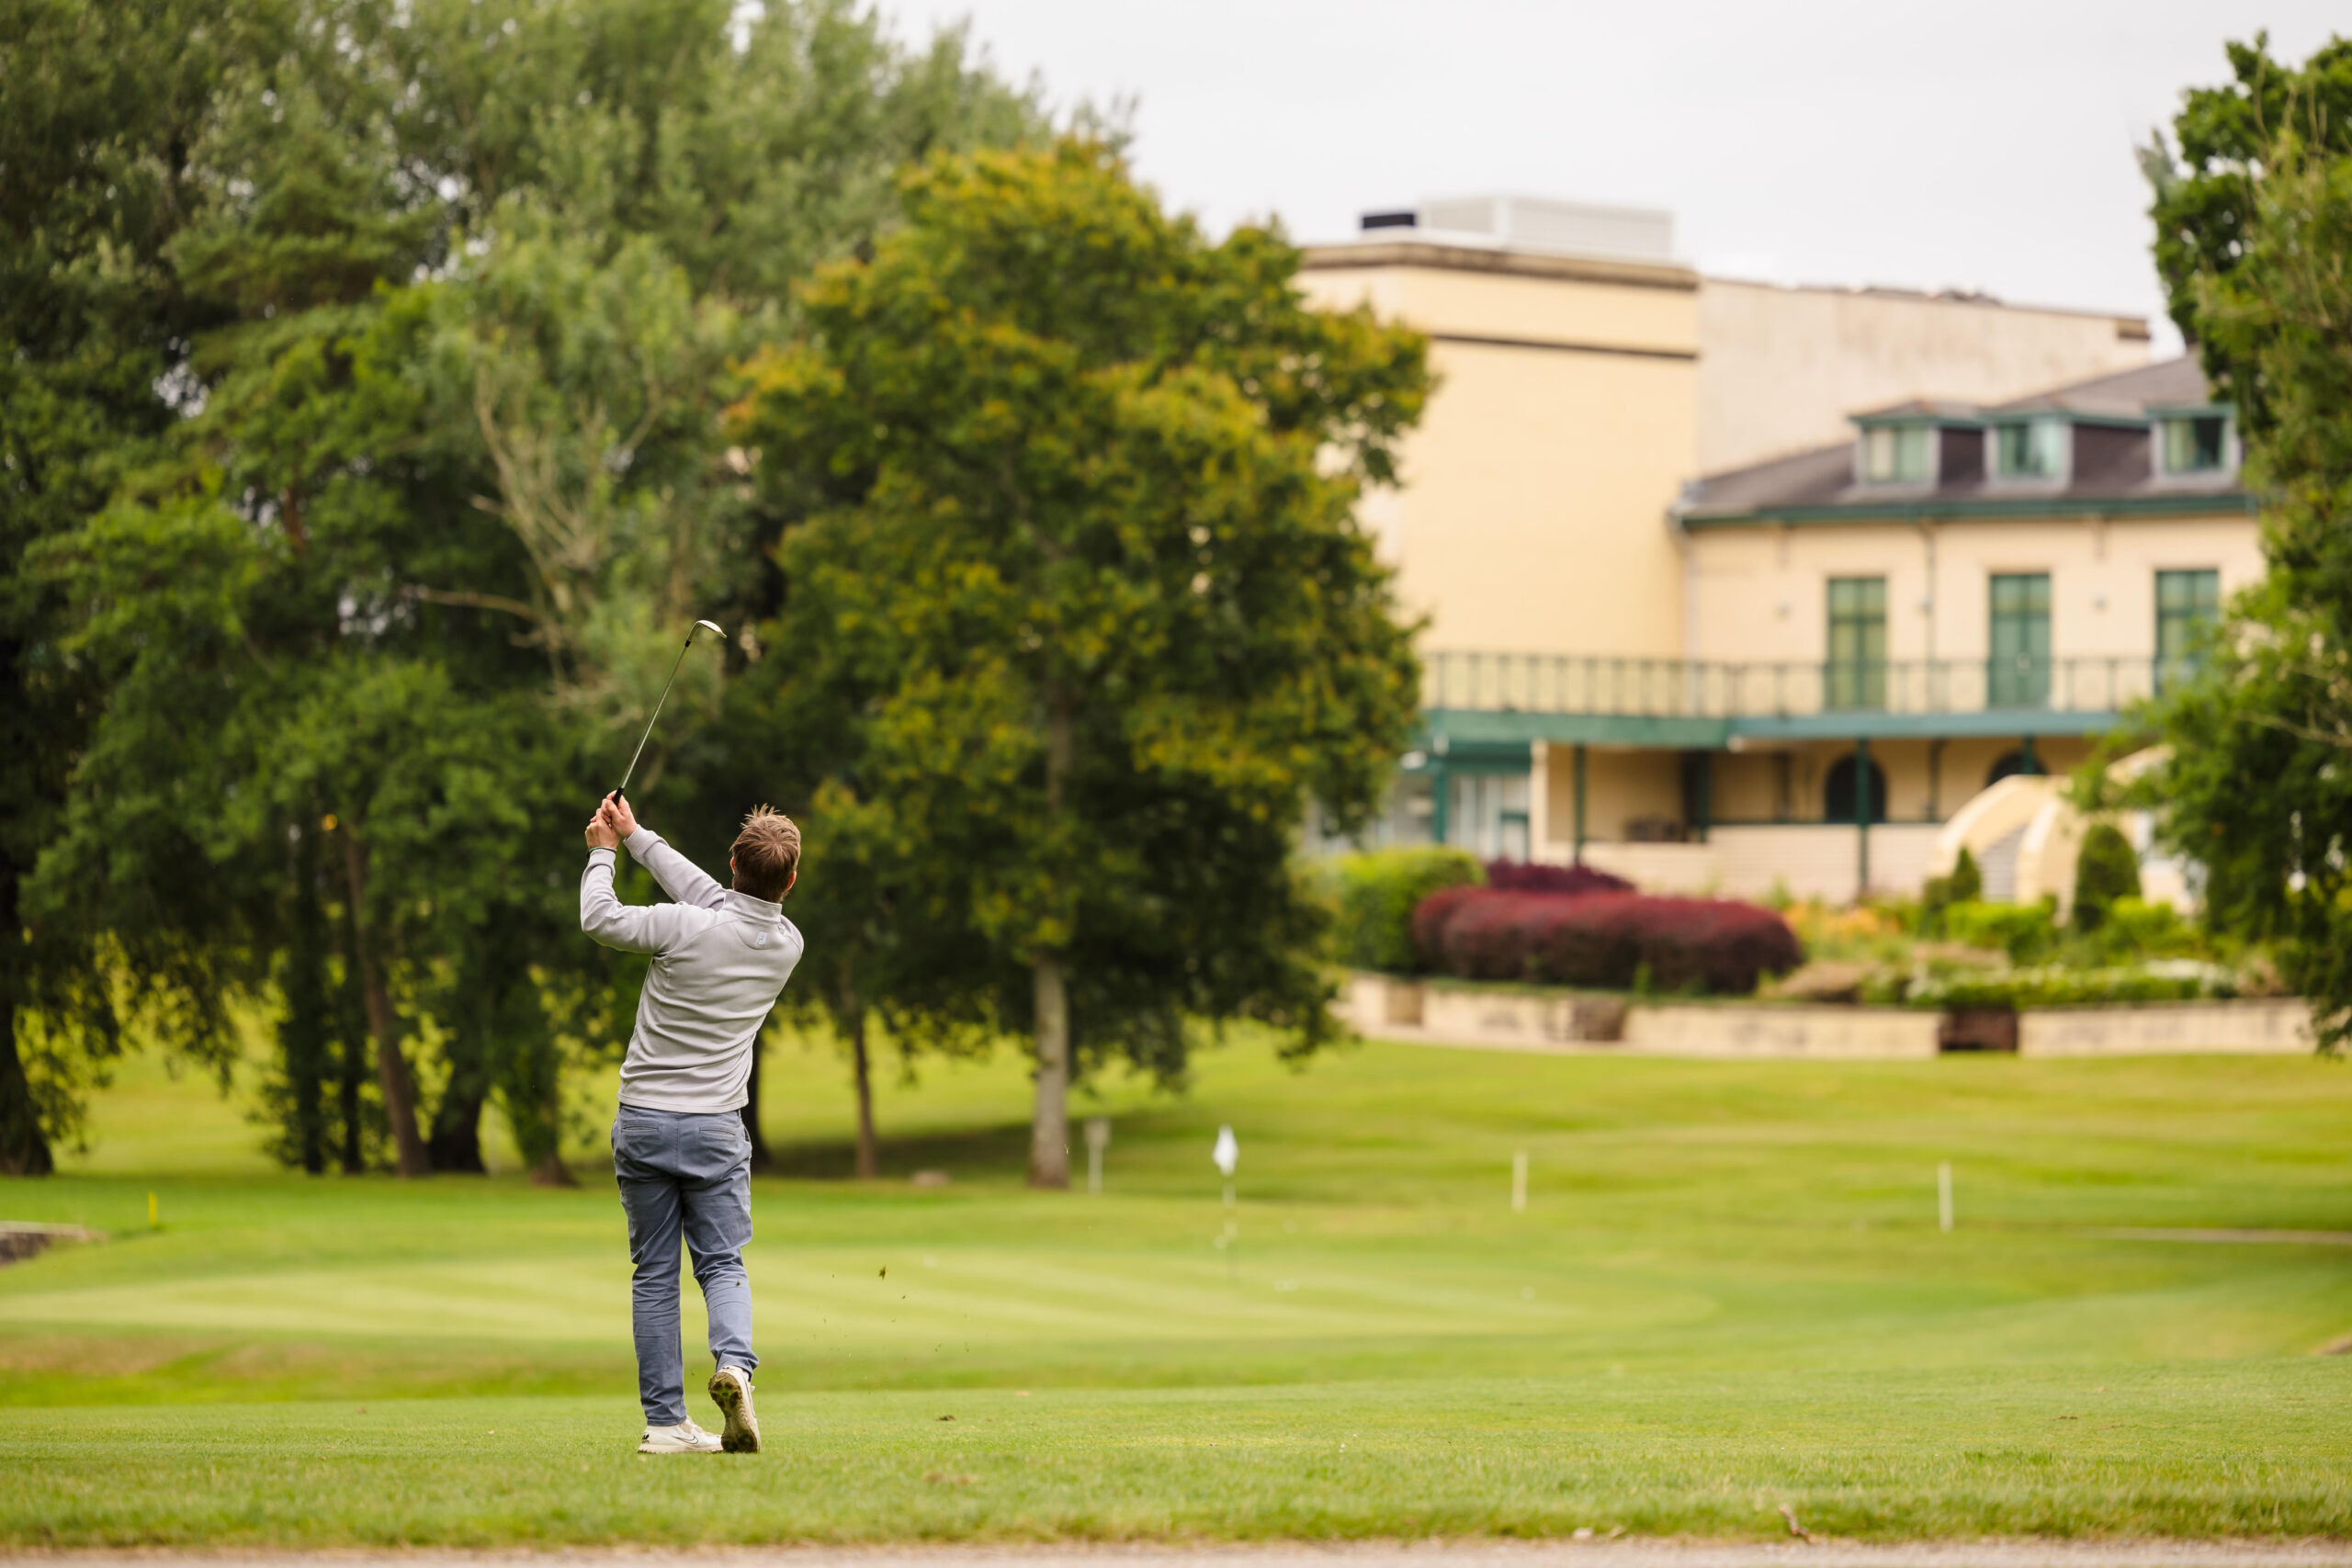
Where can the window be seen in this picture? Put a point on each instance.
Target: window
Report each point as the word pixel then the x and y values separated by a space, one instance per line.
pixel 1839 802
pixel 1894 454
pixel 1488 815
pixel 2187 602
pixel 2195 443
pixel 2018 672
pixel 1855 676
pixel 2030 450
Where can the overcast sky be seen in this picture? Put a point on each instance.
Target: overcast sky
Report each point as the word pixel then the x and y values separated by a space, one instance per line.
pixel 1985 144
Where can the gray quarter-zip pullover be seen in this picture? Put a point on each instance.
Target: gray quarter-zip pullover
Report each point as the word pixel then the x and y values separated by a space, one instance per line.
pixel 721 959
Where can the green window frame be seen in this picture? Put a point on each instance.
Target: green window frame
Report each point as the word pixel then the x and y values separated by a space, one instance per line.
pixel 2017 671
pixel 1855 674
pixel 2030 450
pixel 2187 603
pixel 1894 454
pixel 2196 442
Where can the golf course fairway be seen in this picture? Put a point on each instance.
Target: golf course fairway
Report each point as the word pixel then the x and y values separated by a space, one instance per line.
pixel 1728 1294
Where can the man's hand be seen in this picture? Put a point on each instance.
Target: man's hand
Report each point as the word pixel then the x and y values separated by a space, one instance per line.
pixel 601 834
pixel 617 811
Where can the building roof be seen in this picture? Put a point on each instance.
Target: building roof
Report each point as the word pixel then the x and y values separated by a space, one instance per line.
pixel 2112 469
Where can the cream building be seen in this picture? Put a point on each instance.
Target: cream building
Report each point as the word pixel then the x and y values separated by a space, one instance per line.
pixel 1922 569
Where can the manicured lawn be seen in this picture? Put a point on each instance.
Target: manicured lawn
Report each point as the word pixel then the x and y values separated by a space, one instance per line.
pixel 1728 1292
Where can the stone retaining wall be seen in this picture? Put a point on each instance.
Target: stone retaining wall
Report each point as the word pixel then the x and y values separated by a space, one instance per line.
pixel 1500 1019
pixel 2275 1026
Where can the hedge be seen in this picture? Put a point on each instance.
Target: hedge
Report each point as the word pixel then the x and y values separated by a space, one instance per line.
pixel 1519 878
pixel 2167 980
pixel 1603 940
pixel 1378 893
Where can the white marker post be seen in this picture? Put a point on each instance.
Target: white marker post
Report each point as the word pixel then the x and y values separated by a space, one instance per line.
pixel 1943 1196
pixel 1227 1157
pixel 1519 1182
pixel 1097 1138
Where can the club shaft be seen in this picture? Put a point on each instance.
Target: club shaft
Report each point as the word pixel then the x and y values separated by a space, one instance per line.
pixel 664 697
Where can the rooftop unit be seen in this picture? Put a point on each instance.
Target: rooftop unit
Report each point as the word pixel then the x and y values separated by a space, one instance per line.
pixel 1537 224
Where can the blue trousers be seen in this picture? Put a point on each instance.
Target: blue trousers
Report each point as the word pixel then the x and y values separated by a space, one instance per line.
pixel 690 1176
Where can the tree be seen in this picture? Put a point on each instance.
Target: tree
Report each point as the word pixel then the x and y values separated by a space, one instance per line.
pixel 2254 216
pixel 100 108
pixel 2106 869
pixel 423 407
pixel 1072 555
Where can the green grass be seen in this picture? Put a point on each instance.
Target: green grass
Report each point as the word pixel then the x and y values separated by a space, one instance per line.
pixel 1728 1293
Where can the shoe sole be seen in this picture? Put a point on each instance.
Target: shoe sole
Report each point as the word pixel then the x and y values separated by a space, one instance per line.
pixel 741 1435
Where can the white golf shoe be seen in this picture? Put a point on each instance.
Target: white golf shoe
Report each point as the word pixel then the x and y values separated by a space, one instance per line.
pixel 686 1438
pixel 731 1389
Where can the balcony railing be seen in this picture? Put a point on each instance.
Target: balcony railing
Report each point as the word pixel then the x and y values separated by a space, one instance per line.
pixel 1675 688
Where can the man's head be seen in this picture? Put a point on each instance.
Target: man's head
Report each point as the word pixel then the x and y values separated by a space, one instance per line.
pixel 766 858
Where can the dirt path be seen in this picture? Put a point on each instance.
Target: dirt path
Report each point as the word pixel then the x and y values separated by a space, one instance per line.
pixel 1294 1554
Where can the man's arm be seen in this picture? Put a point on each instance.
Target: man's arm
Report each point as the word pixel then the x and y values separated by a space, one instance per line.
pixel 605 918
pixel 681 878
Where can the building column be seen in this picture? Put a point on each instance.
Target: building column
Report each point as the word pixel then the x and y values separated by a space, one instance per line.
pixel 1706 795
pixel 1861 818
pixel 1539 798
pixel 1580 774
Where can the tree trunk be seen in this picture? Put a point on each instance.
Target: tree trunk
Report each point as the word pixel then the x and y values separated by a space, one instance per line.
pixel 1049 1122
pixel 304 1035
pixel 1049 1128
pixel 351 1079
pixel 548 1169
pixel 455 1143
pixel 24 1147
pixel 391 1067
pixel 869 1150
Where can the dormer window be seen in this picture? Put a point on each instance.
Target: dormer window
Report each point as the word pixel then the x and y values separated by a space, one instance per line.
pixel 2030 450
pixel 2195 443
pixel 1894 454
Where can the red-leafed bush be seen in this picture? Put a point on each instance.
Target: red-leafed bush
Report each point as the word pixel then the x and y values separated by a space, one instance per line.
pixel 1516 877
pixel 1428 921
pixel 1604 939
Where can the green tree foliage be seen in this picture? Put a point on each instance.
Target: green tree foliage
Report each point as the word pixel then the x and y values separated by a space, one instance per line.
pixel 1076 590
pixel 1964 885
pixel 2106 869
pixel 2254 214
pixel 354 529
pixel 100 109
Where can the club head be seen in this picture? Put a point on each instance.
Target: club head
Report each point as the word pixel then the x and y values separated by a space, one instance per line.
pixel 698 625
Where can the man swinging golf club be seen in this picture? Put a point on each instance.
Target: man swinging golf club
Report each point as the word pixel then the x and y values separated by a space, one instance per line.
pixel 721 959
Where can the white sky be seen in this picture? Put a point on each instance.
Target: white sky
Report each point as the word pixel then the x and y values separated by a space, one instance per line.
pixel 1985 144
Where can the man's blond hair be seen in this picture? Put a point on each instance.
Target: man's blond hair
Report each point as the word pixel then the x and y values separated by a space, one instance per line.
pixel 767 854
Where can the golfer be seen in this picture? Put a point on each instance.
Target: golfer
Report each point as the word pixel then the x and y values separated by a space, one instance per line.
pixel 720 958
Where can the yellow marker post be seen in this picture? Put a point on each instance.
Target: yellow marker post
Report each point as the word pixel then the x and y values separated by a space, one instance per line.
pixel 153 1222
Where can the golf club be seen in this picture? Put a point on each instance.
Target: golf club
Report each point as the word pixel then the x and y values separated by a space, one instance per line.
pixel 658 701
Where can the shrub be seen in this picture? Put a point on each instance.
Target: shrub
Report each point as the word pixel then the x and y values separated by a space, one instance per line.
pixel 1431 917
pixel 2168 980
pixel 1605 940
pixel 2137 928
pixel 1378 892
pixel 2024 932
pixel 1487 936
pixel 2107 870
pixel 1516 877
pixel 1964 885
